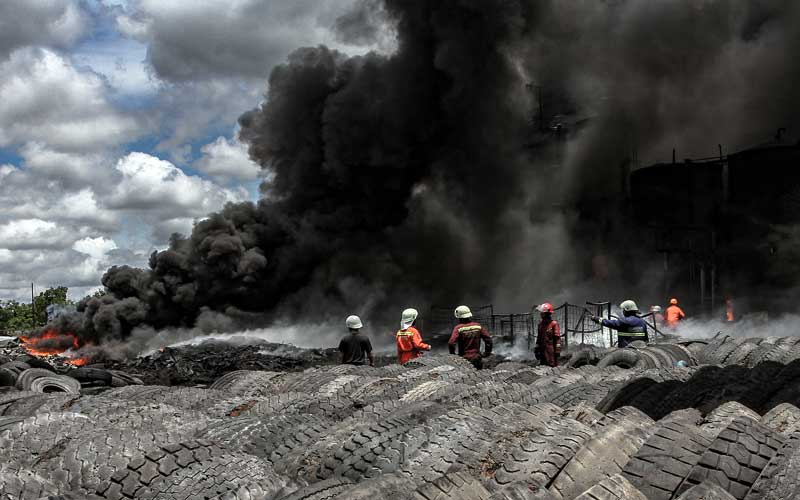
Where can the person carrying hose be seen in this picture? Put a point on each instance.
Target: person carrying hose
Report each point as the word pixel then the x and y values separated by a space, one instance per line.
pixel 630 327
pixel 409 340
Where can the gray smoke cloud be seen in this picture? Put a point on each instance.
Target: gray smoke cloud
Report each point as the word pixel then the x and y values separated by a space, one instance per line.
pixel 422 177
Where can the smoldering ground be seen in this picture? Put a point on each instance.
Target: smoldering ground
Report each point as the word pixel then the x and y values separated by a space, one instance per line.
pixel 420 176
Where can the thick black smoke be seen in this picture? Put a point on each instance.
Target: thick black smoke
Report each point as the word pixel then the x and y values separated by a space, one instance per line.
pixel 429 176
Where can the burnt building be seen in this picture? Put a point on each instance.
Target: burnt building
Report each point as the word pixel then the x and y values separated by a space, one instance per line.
pixel 725 227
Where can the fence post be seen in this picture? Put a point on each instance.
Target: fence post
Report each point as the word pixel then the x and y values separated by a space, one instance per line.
pixel 583 332
pixel 566 325
pixel 512 329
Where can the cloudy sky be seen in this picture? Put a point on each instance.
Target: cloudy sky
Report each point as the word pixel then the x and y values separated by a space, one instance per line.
pixel 118 123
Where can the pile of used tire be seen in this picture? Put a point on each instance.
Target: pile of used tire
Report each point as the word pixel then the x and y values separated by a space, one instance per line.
pixel 617 424
pixel 34 375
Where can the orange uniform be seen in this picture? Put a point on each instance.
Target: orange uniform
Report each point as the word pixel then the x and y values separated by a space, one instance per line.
pixel 674 315
pixel 409 345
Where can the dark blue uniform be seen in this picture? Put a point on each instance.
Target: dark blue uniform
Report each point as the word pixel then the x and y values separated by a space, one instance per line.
pixel 629 328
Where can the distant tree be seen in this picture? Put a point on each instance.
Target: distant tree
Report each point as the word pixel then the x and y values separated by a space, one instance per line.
pixel 17 316
pixel 51 296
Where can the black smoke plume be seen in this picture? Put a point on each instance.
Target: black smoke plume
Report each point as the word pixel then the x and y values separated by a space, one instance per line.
pixel 464 166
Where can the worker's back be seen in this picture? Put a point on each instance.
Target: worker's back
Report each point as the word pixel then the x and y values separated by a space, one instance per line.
pixel 355 348
pixel 629 329
pixel 674 315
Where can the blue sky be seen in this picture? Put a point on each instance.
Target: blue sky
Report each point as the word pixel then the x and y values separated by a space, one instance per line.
pixel 118 123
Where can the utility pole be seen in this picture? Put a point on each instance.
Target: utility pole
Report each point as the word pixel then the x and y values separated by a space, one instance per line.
pixel 33 307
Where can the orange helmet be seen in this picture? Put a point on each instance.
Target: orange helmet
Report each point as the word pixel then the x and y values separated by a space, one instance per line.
pixel 547 307
pixel 673 302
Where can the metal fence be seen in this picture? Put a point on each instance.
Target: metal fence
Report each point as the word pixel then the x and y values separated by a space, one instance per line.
pixel 574 320
pixel 439 322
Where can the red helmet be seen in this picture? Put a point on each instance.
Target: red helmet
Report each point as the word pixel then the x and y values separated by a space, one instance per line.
pixel 547 307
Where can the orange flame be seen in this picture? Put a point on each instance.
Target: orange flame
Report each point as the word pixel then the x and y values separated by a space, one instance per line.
pixel 79 361
pixel 51 343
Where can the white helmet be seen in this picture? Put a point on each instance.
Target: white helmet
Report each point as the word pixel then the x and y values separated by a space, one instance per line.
pixel 353 322
pixel 629 306
pixel 409 315
pixel 655 309
pixel 463 312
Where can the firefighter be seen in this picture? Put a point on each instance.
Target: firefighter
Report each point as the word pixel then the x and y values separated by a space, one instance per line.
pixel 467 336
pixel 674 314
pixel 409 341
pixel 356 349
pixel 658 316
pixel 630 327
pixel 548 339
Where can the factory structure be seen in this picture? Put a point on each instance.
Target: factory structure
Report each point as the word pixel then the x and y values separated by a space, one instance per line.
pixel 726 228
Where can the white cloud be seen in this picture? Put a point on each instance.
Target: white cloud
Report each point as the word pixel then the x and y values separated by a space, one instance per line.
pixel 227 159
pixel 24 194
pixel 122 63
pixel 151 184
pixel 96 248
pixel 75 269
pixel 191 40
pixel 72 170
pixel 24 234
pixel 44 99
pixel 55 23
pixel 164 197
pixel 186 111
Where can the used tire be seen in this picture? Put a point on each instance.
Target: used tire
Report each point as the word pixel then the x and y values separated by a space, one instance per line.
pixel 602 456
pixel 91 375
pixel 615 487
pixel 28 376
pixel 8 378
pixel 193 468
pixel 706 491
pixel 736 458
pixel 522 490
pixel 453 486
pixel 722 416
pixel 541 455
pixel 58 383
pixel 784 418
pixel 665 459
pixel 624 358
pixel 323 490
pixel 623 394
pixel 780 479
pixel 740 355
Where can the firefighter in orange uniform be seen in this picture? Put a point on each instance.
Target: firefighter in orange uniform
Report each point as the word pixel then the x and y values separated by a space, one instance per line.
pixel 674 314
pixel 548 340
pixel 409 341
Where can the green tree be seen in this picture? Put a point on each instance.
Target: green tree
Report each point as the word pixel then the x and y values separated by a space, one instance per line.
pixel 17 316
pixel 55 295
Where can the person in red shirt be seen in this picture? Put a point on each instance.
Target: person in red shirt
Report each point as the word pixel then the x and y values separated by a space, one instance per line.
pixel 674 314
pixel 467 336
pixel 409 340
pixel 548 340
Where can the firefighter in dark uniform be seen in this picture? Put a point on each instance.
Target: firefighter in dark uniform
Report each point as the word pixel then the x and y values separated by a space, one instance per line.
pixel 467 337
pixel 630 327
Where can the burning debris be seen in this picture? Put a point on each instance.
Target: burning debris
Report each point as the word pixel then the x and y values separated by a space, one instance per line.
pixel 52 343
